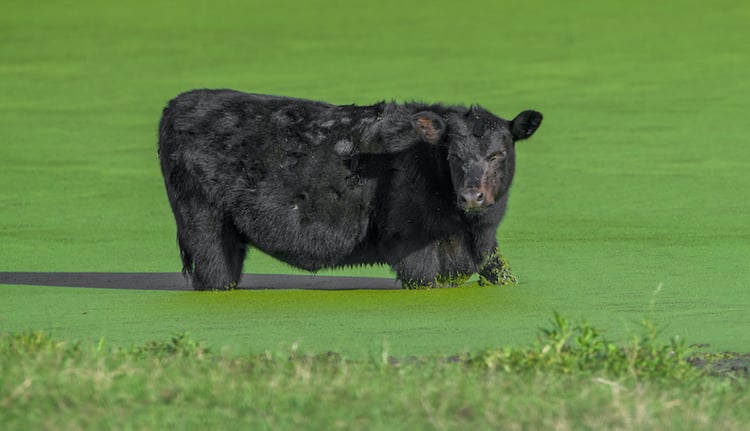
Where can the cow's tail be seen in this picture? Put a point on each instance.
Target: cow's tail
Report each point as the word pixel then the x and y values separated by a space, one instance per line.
pixel 187 261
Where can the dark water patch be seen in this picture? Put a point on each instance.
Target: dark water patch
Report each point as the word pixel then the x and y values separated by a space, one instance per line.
pixel 724 363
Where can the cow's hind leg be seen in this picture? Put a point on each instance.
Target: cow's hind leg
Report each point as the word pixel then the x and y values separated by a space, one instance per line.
pixel 213 250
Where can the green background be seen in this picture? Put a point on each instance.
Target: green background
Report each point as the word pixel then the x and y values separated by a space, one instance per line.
pixel 637 181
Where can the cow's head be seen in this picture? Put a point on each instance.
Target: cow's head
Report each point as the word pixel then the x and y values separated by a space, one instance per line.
pixel 480 151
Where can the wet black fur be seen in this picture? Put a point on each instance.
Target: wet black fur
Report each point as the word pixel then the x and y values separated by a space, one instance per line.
pixel 319 186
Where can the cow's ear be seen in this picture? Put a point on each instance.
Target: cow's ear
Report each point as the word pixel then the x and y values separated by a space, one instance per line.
pixel 429 125
pixel 525 124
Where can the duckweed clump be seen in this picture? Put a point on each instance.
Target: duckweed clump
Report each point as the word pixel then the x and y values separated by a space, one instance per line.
pixel 497 271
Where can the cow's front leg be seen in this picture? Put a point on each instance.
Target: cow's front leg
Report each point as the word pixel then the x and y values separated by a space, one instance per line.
pixel 444 263
pixel 418 269
pixel 496 270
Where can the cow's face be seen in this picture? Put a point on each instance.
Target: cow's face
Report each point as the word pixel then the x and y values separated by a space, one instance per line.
pixel 481 153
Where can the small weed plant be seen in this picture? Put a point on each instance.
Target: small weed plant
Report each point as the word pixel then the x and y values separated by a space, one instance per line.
pixel 568 348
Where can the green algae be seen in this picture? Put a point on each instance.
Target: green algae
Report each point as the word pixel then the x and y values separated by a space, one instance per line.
pixel 637 178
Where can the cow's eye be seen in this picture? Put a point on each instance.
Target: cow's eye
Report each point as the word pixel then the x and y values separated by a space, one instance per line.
pixel 496 157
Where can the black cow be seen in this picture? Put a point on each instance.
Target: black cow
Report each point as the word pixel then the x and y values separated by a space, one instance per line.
pixel 419 187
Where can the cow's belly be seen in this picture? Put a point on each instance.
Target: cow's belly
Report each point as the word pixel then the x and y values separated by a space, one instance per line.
pixel 311 224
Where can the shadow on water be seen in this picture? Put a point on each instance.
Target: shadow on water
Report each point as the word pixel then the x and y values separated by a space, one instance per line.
pixel 175 281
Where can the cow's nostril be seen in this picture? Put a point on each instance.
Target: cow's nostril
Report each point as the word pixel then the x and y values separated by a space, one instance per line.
pixel 480 197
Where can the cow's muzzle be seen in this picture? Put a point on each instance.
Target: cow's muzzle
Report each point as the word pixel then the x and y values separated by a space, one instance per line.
pixel 473 199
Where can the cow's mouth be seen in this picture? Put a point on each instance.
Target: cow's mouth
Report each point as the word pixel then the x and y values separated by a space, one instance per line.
pixel 474 209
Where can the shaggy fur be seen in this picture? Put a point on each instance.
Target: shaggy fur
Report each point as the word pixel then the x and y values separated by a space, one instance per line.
pixel 419 187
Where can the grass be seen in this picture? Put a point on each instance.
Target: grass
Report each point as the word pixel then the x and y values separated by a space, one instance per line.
pixel 571 378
